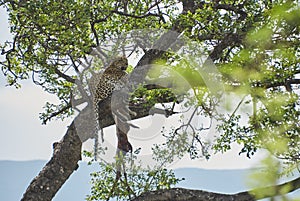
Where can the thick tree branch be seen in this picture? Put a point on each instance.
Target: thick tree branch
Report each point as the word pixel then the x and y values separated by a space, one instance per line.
pixel 66 77
pixel 231 39
pixel 66 154
pixel 181 194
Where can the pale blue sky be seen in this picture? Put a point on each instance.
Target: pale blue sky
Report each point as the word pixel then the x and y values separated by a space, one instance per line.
pixel 22 135
pixel 24 138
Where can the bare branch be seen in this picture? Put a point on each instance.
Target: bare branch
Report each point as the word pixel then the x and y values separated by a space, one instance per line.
pixel 95 33
pixel 136 16
pixel 66 77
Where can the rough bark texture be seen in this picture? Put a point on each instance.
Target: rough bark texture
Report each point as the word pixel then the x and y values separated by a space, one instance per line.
pixel 181 194
pixel 66 154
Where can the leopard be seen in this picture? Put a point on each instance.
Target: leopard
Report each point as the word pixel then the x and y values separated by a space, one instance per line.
pixel 102 86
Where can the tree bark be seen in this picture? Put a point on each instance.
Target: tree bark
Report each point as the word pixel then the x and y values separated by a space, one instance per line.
pixel 66 154
pixel 181 194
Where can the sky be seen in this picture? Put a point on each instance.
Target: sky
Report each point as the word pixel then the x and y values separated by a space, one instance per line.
pixel 24 138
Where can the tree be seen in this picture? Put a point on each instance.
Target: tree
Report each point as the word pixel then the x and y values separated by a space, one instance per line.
pixel 254 46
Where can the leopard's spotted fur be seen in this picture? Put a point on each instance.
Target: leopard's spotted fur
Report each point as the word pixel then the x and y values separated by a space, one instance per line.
pixel 103 85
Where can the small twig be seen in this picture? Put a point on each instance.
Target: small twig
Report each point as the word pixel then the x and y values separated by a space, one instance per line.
pixel 238 106
pixel 74 64
pixel 159 11
pixel 66 77
pixel 135 16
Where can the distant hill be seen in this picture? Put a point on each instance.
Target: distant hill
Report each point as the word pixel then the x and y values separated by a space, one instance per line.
pixel 16 176
pixel 222 181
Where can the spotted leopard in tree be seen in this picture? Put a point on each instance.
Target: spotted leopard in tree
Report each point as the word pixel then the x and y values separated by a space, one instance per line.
pixel 110 80
pixel 103 85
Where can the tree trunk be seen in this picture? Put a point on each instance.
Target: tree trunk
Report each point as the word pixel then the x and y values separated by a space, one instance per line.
pixel 66 154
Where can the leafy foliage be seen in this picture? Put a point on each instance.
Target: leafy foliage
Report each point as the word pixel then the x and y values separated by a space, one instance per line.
pixel 272 65
pixel 137 181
